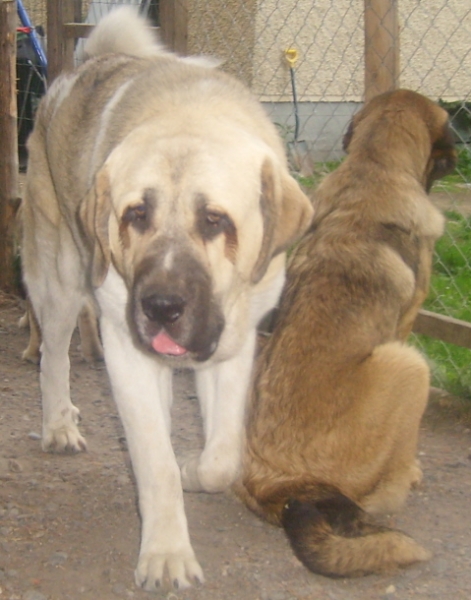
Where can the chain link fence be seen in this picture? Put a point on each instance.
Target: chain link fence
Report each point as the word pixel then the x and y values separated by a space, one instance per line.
pixel 305 60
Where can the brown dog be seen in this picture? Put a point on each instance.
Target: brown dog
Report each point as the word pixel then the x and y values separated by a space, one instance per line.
pixel 338 396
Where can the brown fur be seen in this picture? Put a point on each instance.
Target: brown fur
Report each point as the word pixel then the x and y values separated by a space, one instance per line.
pixel 337 396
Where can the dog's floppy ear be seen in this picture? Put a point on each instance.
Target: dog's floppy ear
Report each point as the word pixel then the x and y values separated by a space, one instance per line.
pixel 443 156
pixel 347 138
pixel 94 213
pixel 286 212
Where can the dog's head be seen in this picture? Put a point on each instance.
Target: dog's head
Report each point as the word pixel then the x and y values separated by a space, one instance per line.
pixel 411 121
pixel 191 225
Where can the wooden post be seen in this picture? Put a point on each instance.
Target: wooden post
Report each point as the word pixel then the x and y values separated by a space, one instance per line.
pixel 174 24
pixel 8 143
pixel 381 47
pixel 60 47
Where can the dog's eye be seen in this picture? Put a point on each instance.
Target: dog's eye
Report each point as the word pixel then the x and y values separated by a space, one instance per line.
pixel 137 216
pixel 214 220
pixel 135 213
pixel 211 223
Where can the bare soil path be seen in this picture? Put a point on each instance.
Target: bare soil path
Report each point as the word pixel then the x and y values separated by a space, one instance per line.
pixel 69 526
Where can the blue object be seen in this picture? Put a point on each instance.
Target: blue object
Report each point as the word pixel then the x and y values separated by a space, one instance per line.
pixel 26 22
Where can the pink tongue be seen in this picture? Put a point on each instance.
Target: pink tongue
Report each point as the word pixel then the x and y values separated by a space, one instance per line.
pixel 163 344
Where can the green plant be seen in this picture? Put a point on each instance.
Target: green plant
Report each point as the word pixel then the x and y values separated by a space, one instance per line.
pixel 450 295
pixel 462 173
pixel 320 170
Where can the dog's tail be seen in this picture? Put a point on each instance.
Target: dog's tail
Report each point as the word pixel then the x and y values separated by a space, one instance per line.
pixel 334 537
pixel 125 31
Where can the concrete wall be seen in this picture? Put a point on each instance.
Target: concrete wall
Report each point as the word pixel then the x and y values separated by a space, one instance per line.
pixel 322 125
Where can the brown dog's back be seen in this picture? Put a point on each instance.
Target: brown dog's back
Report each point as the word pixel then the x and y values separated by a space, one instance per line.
pixel 337 396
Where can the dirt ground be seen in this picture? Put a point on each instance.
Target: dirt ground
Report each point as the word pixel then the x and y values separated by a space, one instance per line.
pixel 69 526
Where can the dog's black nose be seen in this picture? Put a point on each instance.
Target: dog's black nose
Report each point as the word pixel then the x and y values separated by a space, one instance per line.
pixel 163 308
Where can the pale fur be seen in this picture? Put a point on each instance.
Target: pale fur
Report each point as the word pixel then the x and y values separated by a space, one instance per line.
pixel 124 31
pixel 196 138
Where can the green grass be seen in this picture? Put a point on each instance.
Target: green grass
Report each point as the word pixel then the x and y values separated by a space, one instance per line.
pixel 450 295
pixel 320 170
pixel 462 173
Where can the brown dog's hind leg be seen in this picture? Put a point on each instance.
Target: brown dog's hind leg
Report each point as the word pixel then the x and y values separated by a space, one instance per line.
pixel 406 375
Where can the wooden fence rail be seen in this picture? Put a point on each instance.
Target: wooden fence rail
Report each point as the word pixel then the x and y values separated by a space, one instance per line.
pixel 446 329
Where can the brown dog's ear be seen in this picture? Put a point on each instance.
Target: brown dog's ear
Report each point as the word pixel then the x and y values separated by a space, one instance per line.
pixel 442 158
pixel 347 138
pixel 286 212
pixel 94 213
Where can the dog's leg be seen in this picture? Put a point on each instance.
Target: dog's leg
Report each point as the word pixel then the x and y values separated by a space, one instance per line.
pixel 222 390
pixel 53 278
pixel 57 316
pixel 142 388
pixel 404 377
pixel 32 353
pixel 90 343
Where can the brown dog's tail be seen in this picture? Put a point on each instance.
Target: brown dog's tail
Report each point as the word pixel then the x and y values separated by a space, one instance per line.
pixel 333 537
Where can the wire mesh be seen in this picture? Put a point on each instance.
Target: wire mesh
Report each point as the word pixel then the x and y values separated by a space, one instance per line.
pixel 252 38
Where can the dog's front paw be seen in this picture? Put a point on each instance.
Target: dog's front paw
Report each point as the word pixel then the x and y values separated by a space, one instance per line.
pixel 179 570
pixel 63 435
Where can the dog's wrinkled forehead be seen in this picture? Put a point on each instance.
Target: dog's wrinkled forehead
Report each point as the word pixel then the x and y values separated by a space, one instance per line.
pixel 187 185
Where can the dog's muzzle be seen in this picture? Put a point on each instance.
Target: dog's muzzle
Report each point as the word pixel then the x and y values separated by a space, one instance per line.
pixel 173 312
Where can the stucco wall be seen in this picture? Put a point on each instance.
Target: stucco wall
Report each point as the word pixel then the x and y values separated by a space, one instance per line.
pixel 251 36
pixel 329 38
pixel 225 29
pixel 435 41
pixel 436 47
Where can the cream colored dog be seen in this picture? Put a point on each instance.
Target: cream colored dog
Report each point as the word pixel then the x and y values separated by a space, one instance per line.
pixel 338 396
pixel 158 185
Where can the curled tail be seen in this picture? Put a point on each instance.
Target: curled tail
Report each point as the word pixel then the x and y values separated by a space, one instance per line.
pixel 124 31
pixel 333 537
